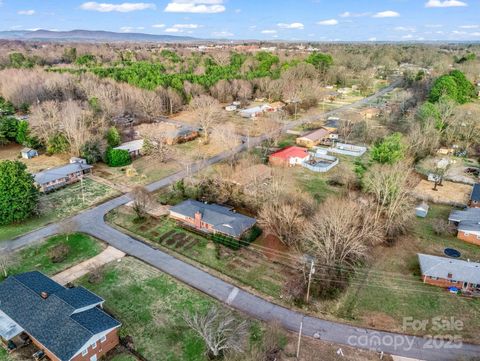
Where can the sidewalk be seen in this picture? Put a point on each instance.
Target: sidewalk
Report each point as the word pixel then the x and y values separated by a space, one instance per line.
pixel 69 275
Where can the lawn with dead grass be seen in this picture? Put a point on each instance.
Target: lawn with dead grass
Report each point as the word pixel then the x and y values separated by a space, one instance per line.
pixel 448 193
pixel 391 288
pixel 34 165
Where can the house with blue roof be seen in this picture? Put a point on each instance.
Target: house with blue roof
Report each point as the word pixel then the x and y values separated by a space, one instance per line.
pixel 212 218
pixel 67 324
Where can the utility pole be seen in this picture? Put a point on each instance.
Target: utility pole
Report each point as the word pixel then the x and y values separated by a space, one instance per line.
pixel 310 274
pixel 299 339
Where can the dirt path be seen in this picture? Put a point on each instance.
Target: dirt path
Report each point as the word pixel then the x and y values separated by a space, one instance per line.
pixel 69 275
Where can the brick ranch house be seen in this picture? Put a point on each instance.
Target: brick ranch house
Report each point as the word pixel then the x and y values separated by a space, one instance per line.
pixel 468 224
pixel 212 218
pixel 289 156
pixel 67 324
pixel 51 179
pixel 448 272
pixel 323 136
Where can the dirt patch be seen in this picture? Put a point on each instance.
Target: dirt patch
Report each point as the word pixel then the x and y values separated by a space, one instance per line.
pixel 449 193
pixel 34 165
pixel 379 320
pixel 271 247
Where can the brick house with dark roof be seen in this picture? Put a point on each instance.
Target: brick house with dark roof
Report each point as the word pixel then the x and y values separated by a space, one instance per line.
pixel 68 324
pixel 212 218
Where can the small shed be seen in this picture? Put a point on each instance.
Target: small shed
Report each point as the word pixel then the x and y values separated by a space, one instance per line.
pixel 231 108
pixel 29 153
pixel 422 210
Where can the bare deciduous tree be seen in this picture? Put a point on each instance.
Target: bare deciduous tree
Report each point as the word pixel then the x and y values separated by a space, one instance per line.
pixel 207 110
pixel 142 201
pixel 220 330
pixel 157 148
pixel 390 186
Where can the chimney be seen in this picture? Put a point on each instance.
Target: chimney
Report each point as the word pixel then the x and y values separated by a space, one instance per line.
pixel 198 220
pixel 44 295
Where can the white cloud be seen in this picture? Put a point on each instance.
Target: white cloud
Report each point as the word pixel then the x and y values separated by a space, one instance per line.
pixel 409 36
pixel 173 30
pixel 469 26
pixel 268 31
pixel 405 28
pixel 372 39
pixel 328 22
pixel 158 26
pixel 434 26
pixel 222 34
pixel 129 29
pixel 386 14
pixel 187 26
pixel 26 12
pixel 348 14
pixel 444 4
pixel 122 8
pixel 291 26
pixel 195 6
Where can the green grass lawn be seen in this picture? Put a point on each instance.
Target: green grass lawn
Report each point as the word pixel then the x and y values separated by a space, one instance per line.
pixel 59 205
pixel 37 257
pixel 151 306
pixel 243 265
pixel 393 290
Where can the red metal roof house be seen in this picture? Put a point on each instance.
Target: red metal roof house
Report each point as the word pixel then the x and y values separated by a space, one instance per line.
pixel 289 156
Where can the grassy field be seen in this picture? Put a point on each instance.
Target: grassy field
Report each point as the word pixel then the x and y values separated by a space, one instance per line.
pixel 392 289
pixel 147 171
pixel 81 247
pixel 151 306
pixel 248 265
pixel 59 205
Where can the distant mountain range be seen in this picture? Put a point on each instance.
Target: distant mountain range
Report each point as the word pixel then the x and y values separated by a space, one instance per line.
pixel 90 36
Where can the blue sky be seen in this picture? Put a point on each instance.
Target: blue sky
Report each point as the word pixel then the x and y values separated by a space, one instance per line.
pixel 320 20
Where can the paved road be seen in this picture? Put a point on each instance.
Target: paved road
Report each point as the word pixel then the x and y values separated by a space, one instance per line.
pixel 92 222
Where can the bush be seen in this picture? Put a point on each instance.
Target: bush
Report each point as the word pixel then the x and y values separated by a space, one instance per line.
pixel 117 157
pixel 113 137
pixel 442 227
pixel 91 152
pixel 58 144
pixel 389 150
pixel 59 253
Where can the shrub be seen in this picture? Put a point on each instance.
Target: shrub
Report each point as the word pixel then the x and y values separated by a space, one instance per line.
pixel 117 157
pixel 91 152
pixel 58 144
pixel 113 137
pixel 389 150
pixel 59 253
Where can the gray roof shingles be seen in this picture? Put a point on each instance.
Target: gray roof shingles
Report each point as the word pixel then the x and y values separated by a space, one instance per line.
pixel 441 267
pixel 52 321
pixel 53 174
pixel 223 219
pixel 475 196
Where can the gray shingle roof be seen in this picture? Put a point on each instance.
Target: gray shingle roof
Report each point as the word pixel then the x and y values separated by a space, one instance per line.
pixel 469 226
pixel 52 321
pixel 53 174
pixel 469 214
pixel 223 219
pixel 441 267
pixel 475 196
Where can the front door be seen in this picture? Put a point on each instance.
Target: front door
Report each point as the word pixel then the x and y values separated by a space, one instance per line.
pixel 93 358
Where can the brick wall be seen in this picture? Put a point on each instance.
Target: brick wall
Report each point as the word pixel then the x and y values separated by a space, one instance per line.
pixel 468 237
pixel 102 347
pixel 442 282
